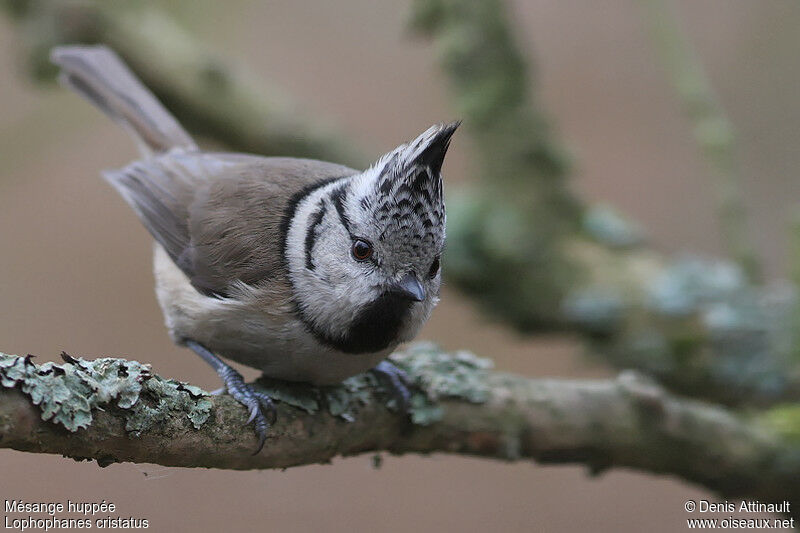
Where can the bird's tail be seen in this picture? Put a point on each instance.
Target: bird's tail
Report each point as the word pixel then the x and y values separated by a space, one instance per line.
pixel 99 75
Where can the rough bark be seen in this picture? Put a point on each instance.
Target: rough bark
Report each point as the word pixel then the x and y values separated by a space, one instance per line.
pixel 459 407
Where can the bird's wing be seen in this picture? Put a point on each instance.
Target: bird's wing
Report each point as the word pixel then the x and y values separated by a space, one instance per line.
pixel 220 217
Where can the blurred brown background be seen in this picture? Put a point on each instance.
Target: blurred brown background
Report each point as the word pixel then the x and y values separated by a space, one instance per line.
pixel 75 269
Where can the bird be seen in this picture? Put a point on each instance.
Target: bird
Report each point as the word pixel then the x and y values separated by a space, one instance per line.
pixel 306 270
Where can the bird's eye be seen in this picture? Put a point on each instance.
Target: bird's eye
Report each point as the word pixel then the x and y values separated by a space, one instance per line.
pixel 362 250
pixel 434 268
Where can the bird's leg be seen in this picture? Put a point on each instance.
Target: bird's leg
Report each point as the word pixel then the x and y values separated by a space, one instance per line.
pixel 396 381
pixel 262 410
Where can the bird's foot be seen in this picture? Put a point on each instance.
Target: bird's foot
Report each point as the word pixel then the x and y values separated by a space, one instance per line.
pixel 260 405
pixel 396 381
pixel 262 409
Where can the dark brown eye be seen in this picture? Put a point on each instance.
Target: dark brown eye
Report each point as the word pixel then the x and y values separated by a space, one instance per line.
pixel 434 268
pixel 362 250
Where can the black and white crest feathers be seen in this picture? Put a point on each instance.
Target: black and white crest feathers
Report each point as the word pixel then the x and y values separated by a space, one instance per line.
pixel 407 199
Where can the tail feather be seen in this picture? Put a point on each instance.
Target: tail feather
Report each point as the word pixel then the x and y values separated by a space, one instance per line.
pixel 100 76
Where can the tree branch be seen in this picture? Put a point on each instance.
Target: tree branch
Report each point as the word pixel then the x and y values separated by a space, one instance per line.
pixel 211 96
pixel 115 410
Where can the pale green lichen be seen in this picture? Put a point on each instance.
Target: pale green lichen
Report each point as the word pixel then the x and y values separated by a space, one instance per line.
pixel 168 396
pixel 692 282
pixel 344 400
pixel 433 374
pixel 68 394
pixel 608 226
pixel 785 420
pixel 437 375
pixel 340 400
pixel 298 395
pixel 596 309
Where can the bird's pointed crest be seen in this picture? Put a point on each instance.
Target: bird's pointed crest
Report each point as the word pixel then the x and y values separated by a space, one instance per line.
pixel 417 165
pixel 402 194
pixel 408 189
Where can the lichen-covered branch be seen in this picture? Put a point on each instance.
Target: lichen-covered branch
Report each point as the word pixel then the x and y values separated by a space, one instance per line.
pixel 115 410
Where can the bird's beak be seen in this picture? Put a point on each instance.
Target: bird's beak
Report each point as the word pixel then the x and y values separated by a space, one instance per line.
pixel 410 287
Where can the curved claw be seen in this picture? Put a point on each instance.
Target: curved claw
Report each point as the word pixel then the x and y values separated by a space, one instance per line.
pixel 397 381
pixel 254 409
pixel 261 424
pixel 268 405
pixel 261 427
pixel 256 402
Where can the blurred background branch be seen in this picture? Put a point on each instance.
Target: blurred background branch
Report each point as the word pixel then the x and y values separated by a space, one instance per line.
pixel 699 326
pixel 712 130
pixel 506 233
pixel 247 114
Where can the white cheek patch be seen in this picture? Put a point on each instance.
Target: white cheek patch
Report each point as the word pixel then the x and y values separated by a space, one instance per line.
pixel 329 294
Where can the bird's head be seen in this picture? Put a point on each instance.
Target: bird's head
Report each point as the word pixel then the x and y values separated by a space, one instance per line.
pixel 368 273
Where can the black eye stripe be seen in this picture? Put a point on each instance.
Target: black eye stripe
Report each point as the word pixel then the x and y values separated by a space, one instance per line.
pixel 434 267
pixel 339 196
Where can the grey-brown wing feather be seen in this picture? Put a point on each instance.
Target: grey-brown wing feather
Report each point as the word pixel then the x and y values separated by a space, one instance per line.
pixel 219 216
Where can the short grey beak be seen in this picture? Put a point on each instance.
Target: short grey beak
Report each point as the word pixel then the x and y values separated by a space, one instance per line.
pixel 410 287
